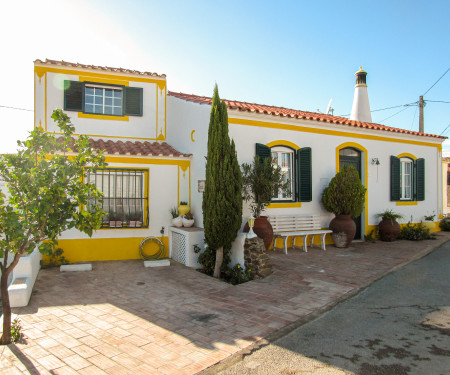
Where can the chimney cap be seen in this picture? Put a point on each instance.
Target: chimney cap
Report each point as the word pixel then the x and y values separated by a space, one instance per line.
pixel 360 71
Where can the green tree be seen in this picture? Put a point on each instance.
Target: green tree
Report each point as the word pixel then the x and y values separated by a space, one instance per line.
pixel 222 199
pixel 45 196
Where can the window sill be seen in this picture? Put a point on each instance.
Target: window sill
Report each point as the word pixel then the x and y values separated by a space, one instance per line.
pixel 284 204
pixel 407 203
pixel 102 117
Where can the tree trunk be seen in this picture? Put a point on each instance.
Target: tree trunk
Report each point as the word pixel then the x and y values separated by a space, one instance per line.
pixel 219 260
pixel 6 336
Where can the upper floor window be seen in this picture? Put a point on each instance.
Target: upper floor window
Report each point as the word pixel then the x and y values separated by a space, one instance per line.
pixel 284 158
pixel 103 99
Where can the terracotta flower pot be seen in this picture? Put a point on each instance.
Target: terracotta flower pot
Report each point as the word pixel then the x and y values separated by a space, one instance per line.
pixel 344 230
pixel 263 229
pixel 388 229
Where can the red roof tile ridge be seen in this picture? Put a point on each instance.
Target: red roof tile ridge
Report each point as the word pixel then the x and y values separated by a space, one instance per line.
pixel 97 67
pixel 295 113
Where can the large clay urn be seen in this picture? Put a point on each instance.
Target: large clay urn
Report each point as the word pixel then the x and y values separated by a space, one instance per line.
pixel 263 229
pixel 344 230
pixel 388 229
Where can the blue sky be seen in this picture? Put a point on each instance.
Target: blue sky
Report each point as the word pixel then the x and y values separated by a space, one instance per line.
pixel 295 54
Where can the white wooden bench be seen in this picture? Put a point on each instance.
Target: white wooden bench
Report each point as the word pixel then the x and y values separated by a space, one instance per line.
pixel 285 226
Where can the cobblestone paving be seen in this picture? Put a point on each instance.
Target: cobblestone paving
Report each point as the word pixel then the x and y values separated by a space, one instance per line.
pixel 122 318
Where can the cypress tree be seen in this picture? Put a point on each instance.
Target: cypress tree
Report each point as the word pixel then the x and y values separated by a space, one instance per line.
pixel 222 199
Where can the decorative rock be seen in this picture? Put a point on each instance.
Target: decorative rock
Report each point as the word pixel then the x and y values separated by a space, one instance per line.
pixel 256 258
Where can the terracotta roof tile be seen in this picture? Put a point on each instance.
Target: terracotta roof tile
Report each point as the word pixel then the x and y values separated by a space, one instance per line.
pixel 294 113
pixel 135 148
pixel 95 67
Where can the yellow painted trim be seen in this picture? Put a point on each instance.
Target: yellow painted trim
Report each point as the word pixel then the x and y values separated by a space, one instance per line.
pixel 121 82
pixel 366 177
pixel 189 185
pixel 407 203
pixel 407 155
pixel 165 112
pixel 282 142
pixel 110 136
pixel 157 108
pixel 131 160
pixel 102 117
pixel 99 249
pixel 305 129
pixel 284 205
pixel 45 96
pixel 192 135
pixel 96 75
pixel 178 187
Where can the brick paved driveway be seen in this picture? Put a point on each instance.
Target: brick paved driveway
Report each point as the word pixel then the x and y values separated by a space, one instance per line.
pixel 122 318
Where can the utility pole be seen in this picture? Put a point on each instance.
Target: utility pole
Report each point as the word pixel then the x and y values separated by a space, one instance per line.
pixel 421 105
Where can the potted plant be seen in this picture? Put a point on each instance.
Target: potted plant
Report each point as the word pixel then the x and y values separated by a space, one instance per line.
pixel 261 180
pixel 183 208
pixel 177 221
pixel 112 219
pixel 344 197
pixel 388 228
pixel 188 220
pixel 135 220
pixel 429 222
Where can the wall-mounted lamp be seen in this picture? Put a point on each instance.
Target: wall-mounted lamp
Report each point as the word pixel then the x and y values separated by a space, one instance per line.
pixel 375 161
pixel 251 223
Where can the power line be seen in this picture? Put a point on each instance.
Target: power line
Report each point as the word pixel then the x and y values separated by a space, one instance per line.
pixel 445 129
pixel 437 81
pixel 383 109
pixel 20 109
pixel 437 101
pixel 387 118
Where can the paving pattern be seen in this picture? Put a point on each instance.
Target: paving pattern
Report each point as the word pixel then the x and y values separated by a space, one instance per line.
pixel 122 318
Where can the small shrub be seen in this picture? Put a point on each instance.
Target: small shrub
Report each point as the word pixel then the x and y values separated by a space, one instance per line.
pixel 444 224
pixel 189 216
pixel 183 203
pixel 55 259
pixel 174 212
pixel 415 233
pixel 237 275
pixel 372 236
pixel 16 331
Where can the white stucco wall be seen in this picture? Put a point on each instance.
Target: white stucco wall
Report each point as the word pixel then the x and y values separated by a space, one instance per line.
pixel 183 117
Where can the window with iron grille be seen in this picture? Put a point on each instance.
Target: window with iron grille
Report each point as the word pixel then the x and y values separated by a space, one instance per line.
pixel 125 196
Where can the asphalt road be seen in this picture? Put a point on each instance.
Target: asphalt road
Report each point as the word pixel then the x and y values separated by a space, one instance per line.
pixel 400 325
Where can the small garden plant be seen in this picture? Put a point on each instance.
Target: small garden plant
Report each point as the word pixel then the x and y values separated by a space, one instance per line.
pixel 444 224
pixel 415 232
pixel 55 259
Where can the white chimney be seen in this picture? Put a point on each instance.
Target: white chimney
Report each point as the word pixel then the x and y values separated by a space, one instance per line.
pixel 361 107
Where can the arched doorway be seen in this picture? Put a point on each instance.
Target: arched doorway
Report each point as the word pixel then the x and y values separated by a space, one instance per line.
pixel 352 157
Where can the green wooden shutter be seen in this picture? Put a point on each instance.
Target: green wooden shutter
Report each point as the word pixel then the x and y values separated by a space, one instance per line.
pixel 395 178
pixel 263 152
pixel 304 173
pixel 133 99
pixel 420 179
pixel 73 95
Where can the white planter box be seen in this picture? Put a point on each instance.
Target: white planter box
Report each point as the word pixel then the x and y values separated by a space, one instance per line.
pixel 181 245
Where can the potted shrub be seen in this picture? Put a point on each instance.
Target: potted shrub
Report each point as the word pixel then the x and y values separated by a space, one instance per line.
pixel 344 197
pixel 261 180
pixel 388 228
pixel 177 221
pixel 115 221
pixel 188 220
pixel 183 208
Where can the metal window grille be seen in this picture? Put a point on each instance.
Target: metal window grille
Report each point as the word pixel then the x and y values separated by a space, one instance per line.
pixel 125 198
